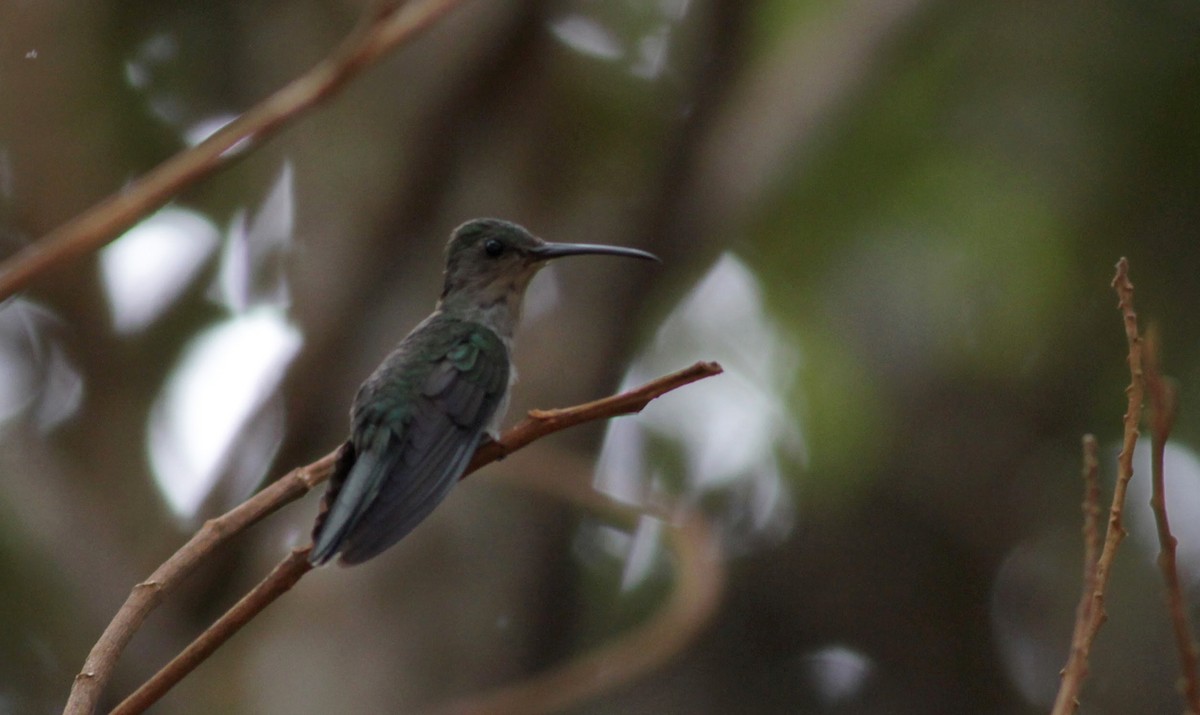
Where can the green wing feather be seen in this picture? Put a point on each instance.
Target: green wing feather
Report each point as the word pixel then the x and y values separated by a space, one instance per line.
pixel 415 425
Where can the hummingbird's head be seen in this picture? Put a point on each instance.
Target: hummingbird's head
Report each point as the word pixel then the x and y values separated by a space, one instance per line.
pixel 489 261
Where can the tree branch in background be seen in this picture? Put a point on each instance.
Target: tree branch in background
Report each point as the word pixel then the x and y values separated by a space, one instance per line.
pixel 147 595
pixel 1091 537
pixel 386 25
pixel 1163 408
pixel 1091 514
pixel 695 594
pixel 1091 615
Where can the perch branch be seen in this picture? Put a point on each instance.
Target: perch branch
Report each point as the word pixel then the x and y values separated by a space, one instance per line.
pixel 294 485
pixel 1091 615
pixel 147 595
pixel 1163 408
pixel 279 581
pixel 386 25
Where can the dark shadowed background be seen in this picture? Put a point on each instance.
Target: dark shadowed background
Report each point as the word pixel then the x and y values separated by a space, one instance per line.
pixel 893 222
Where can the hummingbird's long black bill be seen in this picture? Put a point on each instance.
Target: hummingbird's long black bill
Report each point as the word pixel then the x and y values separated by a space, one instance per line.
pixel 547 251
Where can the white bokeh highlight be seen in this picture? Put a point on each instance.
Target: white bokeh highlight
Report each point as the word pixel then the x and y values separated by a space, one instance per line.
pixel 226 375
pixel 145 270
pixel 837 673
pixel 252 268
pixel 38 380
pixel 733 432
pixel 1181 478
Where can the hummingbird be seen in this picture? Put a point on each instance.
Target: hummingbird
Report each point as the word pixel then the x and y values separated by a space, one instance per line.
pixel 417 420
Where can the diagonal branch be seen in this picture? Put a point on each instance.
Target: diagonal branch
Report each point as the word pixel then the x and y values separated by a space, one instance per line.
pixel 146 596
pixel 1091 613
pixel 281 579
pixel 387 24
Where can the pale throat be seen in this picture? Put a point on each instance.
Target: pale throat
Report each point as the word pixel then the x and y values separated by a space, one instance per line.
pixel 495 305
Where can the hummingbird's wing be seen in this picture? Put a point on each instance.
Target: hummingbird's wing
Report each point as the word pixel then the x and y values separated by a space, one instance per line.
pixel 416 425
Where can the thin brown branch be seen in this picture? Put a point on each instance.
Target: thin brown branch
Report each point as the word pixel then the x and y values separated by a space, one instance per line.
pixel 1163 408
pixel 281 578
pixel 387 25
pixel 1091 513
pixel 699 581
pixel 1091 537
pixel 1093 615
pixel 542 422
pixel 288 572
pixel 147 595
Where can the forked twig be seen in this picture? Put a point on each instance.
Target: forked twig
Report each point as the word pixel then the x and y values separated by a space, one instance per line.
pixel 146 596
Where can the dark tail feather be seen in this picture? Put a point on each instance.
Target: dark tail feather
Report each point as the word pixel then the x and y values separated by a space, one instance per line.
pixel 341 468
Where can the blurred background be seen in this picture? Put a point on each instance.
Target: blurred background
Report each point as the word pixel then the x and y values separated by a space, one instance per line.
pixel 893 222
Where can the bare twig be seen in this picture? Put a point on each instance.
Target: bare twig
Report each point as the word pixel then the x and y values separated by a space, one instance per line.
pixel 537 425
pixel 1163 408
pixel 694 598
pixel 281 578
pixel 1091 537
pixel 1091 513
pixel 146 596
pixel 385 26
pixel 1092 615
pixel 540 423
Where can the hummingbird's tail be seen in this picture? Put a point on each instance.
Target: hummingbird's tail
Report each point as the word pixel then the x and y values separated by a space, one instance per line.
pixel 324 542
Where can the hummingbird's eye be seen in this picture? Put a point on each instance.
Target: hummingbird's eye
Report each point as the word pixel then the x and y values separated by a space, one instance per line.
pixel 493 247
